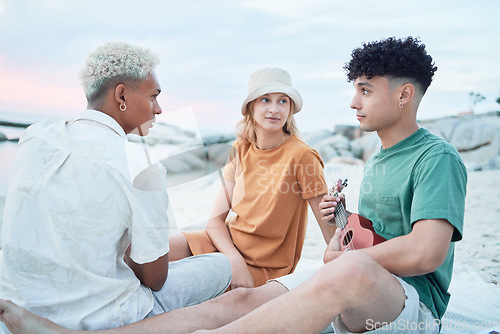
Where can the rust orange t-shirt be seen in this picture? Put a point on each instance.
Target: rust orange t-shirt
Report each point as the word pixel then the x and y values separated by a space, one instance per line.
pixel 270 202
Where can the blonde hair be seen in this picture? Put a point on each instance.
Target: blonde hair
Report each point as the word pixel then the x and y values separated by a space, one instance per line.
pixel 245 129
pixel 113 63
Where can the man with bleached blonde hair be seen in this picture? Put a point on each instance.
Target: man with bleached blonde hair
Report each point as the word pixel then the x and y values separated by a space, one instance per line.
pixel 83 243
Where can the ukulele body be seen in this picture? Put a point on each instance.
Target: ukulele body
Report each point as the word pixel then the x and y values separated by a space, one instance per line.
pixel 358 233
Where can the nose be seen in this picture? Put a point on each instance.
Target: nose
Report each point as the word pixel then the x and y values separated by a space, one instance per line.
pixel 355 103
pixel 157 109
pixel 274 107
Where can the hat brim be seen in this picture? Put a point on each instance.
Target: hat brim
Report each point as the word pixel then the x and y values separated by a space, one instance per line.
pixel 274 87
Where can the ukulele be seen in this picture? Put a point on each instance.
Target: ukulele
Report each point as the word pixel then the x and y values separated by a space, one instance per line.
pixel 356 231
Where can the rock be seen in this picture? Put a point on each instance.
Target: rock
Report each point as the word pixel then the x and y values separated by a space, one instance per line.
pixel 3 137
pixel 163 133
pixel 476 137
pixel 369 144
pixel 185 161
pixel 356 149
pixel 349 131
pixel 333 146
pixel 443 127
pixel 216 139
pixel 312 138
pixel 346 161
pixel 328 152
pixel 483 157
pixel 219 153
pixel 494 163
pixel 472 134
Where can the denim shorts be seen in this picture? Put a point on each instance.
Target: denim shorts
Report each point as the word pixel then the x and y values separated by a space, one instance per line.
pixel 192 281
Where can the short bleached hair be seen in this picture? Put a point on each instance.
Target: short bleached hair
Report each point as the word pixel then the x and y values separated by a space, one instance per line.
pixel 114 63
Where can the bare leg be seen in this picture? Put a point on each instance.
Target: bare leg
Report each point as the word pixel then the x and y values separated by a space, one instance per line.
pixel 209 315
pixel 20 321
pixel 353 286
pixel 179 248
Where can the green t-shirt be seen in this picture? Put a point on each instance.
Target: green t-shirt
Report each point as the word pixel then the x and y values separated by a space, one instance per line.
pixel 421 177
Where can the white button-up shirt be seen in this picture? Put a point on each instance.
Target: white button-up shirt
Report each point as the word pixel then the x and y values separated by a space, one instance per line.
pixel 71 212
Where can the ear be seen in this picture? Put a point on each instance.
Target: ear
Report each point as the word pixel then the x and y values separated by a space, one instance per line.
pixel 120 93
pixel 407 93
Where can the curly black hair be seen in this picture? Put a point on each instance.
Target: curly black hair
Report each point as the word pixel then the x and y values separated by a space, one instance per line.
pixel 394 58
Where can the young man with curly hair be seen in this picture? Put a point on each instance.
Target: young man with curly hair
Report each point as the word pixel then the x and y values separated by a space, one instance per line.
pixel 84 240
pixel 413 191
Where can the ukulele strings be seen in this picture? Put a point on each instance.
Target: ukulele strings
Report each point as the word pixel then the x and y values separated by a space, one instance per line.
pixel 341 214
pixel 343 219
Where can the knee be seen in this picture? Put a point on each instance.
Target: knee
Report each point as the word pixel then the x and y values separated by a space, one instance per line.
pixel 352 270
pixel 239 300
pixel 244 300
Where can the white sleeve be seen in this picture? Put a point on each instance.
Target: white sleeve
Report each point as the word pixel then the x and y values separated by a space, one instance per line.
pixel 149 227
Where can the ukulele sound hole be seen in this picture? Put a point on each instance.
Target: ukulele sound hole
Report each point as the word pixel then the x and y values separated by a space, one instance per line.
pixel 347 238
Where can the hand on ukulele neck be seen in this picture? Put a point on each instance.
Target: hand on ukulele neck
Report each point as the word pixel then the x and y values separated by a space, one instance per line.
pixel 335 191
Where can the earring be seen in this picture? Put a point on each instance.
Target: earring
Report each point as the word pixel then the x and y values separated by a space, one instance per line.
pixel 123 106
pixel 400 105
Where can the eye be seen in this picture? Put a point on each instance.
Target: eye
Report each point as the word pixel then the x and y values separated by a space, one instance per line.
pixel 155 96
pixel 264 99
pixel 284 101
pixel 364 91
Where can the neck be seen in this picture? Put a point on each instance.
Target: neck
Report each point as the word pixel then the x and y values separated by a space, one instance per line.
pixel 268 141
pixel 109 108
pixel 392 136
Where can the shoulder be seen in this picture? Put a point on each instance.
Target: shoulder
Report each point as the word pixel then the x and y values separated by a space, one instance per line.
pixel 44 129
pixel 434 146
pixel 240 145
pixel 302 150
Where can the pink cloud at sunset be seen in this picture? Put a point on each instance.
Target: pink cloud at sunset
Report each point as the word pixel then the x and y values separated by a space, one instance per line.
pixel 47 91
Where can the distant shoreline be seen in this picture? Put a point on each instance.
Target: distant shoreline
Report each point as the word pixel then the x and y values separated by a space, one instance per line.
pixel 14 124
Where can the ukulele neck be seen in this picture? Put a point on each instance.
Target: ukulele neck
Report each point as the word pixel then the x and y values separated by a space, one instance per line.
pixel 340 215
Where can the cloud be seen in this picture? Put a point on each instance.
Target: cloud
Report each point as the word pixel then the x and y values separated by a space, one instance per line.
pixel 209 49
pixel 28 89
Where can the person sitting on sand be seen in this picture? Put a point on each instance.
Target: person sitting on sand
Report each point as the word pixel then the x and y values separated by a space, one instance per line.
pixel 413 191
pixel 270 178
pixel 81 244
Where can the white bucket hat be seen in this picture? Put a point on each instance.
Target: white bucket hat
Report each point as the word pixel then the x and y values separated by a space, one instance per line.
pixel 271 80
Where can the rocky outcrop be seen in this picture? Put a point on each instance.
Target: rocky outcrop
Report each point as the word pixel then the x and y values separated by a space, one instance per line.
pixel 476 137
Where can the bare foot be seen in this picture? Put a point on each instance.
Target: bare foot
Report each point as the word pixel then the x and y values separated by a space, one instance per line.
pixel 20 321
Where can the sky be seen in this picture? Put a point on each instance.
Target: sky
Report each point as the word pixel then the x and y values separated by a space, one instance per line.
pixel 208 49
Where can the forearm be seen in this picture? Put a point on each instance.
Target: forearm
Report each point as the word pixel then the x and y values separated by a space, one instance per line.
pixel 420 252
pixel 219 233
pixel 398 256
pixel 327 229
pixel 152 274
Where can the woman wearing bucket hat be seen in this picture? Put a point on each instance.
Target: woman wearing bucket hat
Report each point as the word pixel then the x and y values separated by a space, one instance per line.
pixel 270 178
